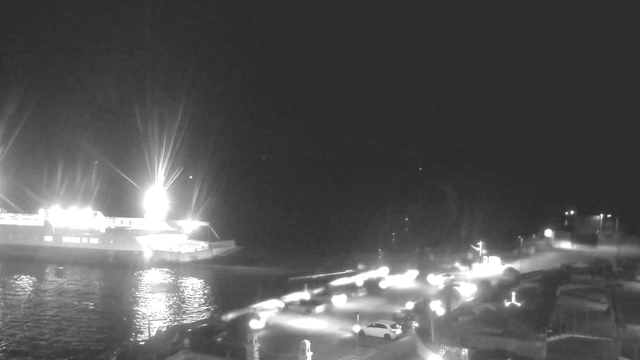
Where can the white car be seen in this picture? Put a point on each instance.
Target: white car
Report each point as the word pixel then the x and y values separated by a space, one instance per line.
pixel 385 329
pixel 440 279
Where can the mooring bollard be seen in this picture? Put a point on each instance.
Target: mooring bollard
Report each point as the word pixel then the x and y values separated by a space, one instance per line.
pixel 253 347
pixel 304 352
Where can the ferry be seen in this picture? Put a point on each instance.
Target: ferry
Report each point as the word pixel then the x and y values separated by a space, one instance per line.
pixel 87 235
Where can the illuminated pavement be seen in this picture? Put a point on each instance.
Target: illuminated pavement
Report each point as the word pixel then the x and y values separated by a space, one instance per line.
pixel 331 335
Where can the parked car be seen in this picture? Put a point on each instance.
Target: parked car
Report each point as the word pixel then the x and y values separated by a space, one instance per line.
pixel 440 279
pixel 406 319
pixel 385 329
pixel 307 307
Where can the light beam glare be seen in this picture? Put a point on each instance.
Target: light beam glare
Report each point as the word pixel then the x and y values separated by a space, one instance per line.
pixel 161 142
pixel 121 173
pixel 11 203
pixel 6 148
pixel 139 121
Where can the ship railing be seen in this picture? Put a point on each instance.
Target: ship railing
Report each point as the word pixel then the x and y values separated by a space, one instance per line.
pixel 21 219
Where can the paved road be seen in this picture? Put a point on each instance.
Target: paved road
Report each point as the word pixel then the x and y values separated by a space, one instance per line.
pixel 331 334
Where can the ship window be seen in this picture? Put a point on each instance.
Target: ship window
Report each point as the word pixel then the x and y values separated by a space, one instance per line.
pixel 84 240
pixel 66 239
pixel 94 241
pixel 48 238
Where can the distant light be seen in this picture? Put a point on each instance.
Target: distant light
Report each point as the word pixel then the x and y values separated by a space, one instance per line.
pixel 148 253
pixel 409 305
pixel 412 274
pixel 188 226
pixel 359 282
pixel 565 245
pixel 572 212
pixel 609 215
pixel 436 306
pixel 566 213
pixel 339 300
pixel 190 176
pixel 343 281
pixel 270 304
pixel 383 284
pixel 256 324
pixel 356 328
pixel 420 169
pixel 467 289
pixel 433 280
pixel 601 215
pixel 407 219
pixel 548 233
pixel 383 271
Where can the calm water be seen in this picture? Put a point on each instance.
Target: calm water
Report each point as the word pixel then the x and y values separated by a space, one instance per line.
pixel 63 311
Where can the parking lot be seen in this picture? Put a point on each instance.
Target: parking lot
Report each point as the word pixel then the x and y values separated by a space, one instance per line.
pixel 331 332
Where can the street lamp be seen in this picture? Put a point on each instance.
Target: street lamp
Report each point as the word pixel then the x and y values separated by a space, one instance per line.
pixel 479 250
pixel 550 234
pixel 356 329
pixel 600 229
pixel 521 251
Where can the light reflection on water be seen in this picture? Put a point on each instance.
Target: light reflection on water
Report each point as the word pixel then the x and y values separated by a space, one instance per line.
pixel 162 299
pixel 59 311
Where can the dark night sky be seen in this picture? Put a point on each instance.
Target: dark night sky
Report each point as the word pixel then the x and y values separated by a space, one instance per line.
pixel 308 124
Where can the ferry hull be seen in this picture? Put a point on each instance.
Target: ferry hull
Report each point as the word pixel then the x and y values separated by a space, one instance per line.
pixel 71 255
pixel 102 256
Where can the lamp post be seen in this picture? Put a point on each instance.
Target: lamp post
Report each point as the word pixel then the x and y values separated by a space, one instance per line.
pixel 479 250
pixel 436 308
pixel 358 333
pixel 600 227
pixel 521 251
pixel 615 239
pixel 552 235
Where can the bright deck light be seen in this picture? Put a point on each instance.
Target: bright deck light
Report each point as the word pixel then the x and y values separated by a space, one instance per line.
pixel 156 202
